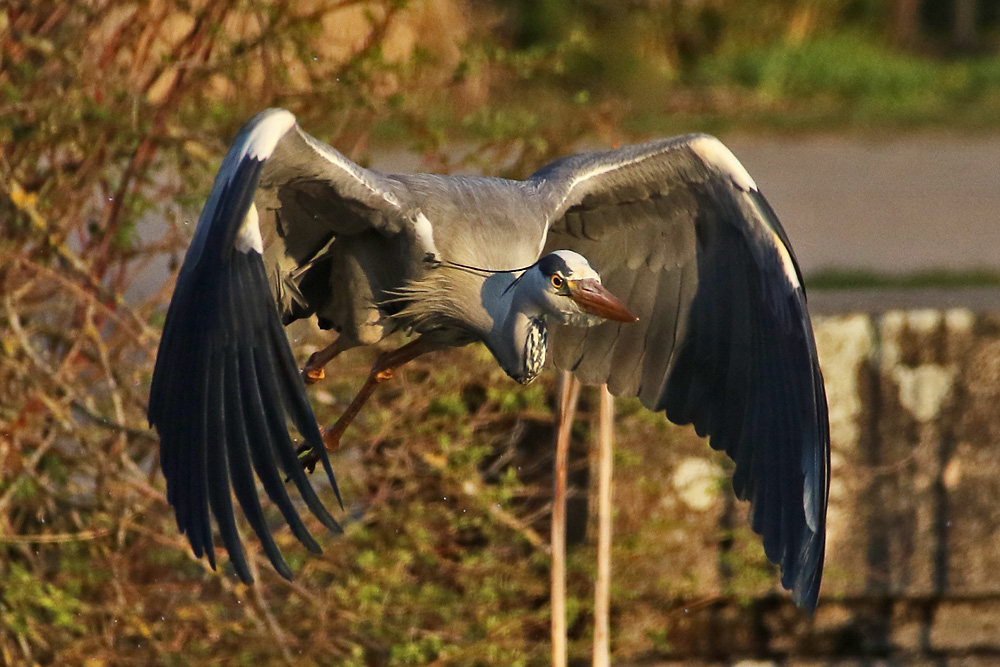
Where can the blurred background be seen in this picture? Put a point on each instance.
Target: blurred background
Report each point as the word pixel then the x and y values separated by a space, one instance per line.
pixel 872 126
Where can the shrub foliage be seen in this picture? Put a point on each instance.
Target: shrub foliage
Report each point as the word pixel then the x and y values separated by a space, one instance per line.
pixel 114 115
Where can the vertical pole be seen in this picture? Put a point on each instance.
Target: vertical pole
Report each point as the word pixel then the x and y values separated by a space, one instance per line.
pixel 569 394
pixel 602 587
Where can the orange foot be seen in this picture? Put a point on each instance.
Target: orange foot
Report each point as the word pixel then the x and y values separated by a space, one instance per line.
pixel 312 375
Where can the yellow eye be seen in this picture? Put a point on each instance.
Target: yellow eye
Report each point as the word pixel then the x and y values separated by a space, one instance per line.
pixel 557 281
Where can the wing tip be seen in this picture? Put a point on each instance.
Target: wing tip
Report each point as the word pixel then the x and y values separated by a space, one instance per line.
pixel 265 130
pixel 806 580
pixel 717 155
pixel 806 598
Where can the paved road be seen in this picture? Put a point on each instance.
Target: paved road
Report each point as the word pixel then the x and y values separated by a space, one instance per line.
pixel 894 205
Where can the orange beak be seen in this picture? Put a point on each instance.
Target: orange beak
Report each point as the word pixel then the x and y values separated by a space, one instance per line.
pixel 593 298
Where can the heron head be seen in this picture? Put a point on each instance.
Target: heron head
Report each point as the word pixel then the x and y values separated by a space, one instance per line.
pixel 570 291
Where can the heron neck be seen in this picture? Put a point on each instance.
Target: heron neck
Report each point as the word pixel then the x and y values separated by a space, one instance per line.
pixel 523 339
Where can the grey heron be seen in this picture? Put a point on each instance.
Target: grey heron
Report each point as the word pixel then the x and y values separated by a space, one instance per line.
pixel 712 327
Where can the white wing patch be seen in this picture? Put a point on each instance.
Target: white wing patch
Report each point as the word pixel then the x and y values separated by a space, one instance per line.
pixel 786 259
pixel 424 232
pixel 266 134
pixel 248 237
pixel 715 154
pixel 770 236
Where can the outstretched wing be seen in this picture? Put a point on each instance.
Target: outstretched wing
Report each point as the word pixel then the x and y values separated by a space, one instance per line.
pixel 679 231
pixel 225 381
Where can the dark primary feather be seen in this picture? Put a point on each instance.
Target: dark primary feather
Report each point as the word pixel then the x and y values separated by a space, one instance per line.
pixel 225 382
pixel 723 341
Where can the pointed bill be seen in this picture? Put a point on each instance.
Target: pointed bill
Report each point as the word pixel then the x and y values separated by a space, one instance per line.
pixel 595 299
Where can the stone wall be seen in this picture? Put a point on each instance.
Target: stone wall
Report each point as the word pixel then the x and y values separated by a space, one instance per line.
pixel 913 565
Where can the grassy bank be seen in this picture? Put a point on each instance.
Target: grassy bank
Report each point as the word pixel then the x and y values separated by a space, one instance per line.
pixel 839 279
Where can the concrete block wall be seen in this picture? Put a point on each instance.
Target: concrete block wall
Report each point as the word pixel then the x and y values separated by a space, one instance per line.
pixel 913 565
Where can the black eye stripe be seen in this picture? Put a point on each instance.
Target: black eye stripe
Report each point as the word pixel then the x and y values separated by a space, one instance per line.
pixel 552 264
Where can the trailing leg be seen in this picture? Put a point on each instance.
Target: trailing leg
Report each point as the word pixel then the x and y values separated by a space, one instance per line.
pixel 382 370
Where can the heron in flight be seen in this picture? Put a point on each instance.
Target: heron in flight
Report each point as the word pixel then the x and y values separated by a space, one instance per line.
pixel 659 269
